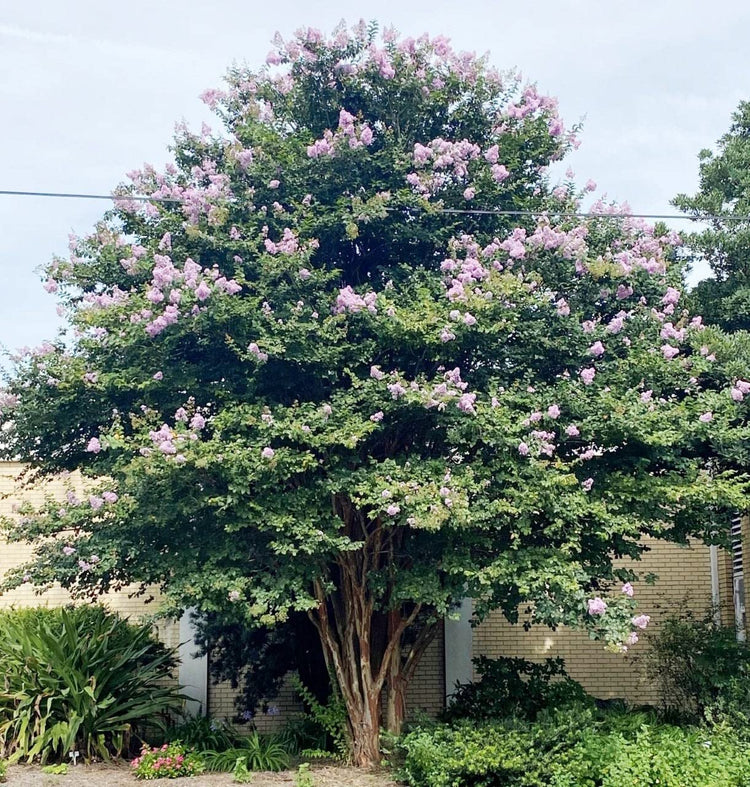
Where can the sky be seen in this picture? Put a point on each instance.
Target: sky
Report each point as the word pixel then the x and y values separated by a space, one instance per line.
pixel 91 90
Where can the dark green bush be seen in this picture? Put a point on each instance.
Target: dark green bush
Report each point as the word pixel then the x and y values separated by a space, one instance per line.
pixel 511 752
pixel 577 747
pixel 514 687
pixel 701 669
pixel 79 678
pixel 202 733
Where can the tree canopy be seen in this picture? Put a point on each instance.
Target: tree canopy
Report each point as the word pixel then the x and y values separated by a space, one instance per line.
pixel 724 193
pixel 331 376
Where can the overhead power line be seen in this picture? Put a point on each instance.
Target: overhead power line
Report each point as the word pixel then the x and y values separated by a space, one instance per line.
pixel 71 195
pixel 468 211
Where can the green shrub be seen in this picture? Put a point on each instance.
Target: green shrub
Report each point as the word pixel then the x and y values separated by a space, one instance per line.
pixel 331 719
pixel 241 774
pixel 579 747
pixel 202 734
pixel 169 761
pixel 450 756
pixel 3 769
pixel 303 777
pixel 79 678
pixel 260 753
pixel 656 756
pixel 701 669
pixel 303 733
pixel 514 687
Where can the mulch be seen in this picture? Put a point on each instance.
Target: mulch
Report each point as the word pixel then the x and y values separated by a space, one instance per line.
pixel 119 775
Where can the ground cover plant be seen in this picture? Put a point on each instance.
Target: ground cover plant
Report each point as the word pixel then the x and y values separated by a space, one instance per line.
pixel 573 748
pixel 80 679
pixel 315 384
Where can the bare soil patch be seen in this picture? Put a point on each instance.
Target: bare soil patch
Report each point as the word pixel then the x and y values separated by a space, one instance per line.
pixel 119 775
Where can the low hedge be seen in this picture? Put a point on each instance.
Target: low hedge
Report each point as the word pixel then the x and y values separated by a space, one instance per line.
pixel 578 747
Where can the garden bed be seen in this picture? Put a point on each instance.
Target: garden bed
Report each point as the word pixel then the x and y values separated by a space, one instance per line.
pixel 119 775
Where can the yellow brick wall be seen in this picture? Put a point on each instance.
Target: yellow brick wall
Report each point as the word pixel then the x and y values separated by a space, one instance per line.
pixel 684 582
pixel 221 706
pixel 425 693
pixel 12 493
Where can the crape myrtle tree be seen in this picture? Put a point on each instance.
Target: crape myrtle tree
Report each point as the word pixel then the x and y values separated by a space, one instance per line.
pixel 315 383
pixel 724 193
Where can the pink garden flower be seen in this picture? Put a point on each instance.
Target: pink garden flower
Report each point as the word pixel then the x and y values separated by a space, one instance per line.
pixel 597 606
pixel 587 375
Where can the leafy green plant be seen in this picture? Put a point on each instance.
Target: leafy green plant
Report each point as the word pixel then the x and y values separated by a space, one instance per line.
pixel 260 753
pixel 302 733
pixel 203 733
pixel 241 774
pixel 303 777
pixel 56 770
pixel 576 747
pixel 701 669
pixel 514 687
pixel 169 761
pixel 79 678
pixel 332 718
pixel 3 769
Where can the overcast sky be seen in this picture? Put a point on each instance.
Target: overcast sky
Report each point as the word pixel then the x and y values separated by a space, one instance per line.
pixel 90 90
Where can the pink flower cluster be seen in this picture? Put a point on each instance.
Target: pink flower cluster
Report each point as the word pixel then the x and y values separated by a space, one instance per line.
pixel 441 163
pixel 161 762
pixel 570 243
pixel 433 59
pixel 349 301
pixel 8 402
pixel 740 390
pixel 348 134
pixel 168 285
pixel 167 441
pixel 257 352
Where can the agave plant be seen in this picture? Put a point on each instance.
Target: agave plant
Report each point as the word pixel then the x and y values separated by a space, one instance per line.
pixel 81 679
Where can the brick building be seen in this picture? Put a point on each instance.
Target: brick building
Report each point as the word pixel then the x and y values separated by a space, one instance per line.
pixel 694 577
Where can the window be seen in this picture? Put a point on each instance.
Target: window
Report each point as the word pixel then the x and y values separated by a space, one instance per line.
pixel 738 579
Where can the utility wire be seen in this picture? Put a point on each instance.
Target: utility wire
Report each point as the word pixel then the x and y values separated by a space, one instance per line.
pixel 468 211
pixel 70 195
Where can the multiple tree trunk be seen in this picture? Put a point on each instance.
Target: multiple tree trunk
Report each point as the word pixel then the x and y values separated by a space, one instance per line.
pixel 364 647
